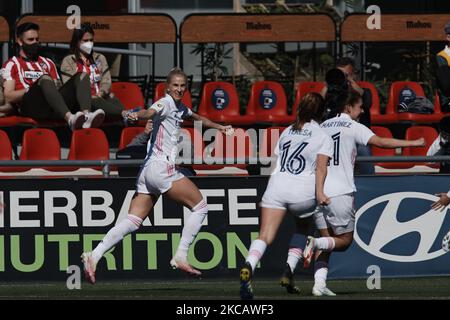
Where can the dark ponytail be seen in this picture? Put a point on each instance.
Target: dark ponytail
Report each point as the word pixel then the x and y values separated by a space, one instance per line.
pixel 311 108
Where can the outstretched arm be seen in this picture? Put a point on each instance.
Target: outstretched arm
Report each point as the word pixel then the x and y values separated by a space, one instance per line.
pixel 210 124
pixel 443 201
pixel 140 115
pixel 395 143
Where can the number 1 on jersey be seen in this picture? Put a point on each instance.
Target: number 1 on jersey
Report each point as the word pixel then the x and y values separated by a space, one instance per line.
pixel 336 141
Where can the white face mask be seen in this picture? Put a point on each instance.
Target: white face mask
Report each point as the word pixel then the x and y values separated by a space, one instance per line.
pixel 86 47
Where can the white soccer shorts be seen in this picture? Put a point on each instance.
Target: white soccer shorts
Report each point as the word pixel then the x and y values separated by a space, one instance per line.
pixel 339 215
pixel 157 177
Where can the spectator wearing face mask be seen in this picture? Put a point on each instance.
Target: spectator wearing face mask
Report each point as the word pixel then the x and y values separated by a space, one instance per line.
pixel 84 59
pixel 32 85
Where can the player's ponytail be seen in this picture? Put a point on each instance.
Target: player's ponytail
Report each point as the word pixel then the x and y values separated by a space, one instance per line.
pixel 311 108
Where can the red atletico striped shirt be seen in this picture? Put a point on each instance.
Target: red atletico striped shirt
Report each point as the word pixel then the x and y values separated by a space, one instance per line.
pixel 94 75
pixel 25 73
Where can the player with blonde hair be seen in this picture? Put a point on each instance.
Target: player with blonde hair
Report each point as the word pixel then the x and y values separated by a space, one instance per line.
pixel 160 176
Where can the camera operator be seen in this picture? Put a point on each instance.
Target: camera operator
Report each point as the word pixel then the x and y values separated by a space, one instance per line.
pixel 441 146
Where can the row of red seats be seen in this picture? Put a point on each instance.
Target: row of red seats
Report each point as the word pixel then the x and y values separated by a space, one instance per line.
pixel 229 145
pixel 267 103
pixel 43 144
pixel 92 144
pixel 415 132
pixel 276 112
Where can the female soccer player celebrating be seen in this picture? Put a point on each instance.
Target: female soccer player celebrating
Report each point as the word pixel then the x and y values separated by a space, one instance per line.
pixel 303 152
pixel 336 221
pixel 159 175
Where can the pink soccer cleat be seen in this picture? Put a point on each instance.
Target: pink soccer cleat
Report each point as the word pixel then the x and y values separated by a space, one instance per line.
pixel 182 264
pixel 308 252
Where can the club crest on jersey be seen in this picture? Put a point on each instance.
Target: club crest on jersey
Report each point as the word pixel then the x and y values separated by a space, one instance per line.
pixel 33 75
pixel 43 65
pixel 97 78
pixel 178 115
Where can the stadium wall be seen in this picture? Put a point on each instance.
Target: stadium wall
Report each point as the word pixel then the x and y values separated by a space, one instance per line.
pixel 47 223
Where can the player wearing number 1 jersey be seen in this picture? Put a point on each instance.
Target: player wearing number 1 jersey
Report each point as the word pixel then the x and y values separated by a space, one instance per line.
pixel 337 219
pixel 303 152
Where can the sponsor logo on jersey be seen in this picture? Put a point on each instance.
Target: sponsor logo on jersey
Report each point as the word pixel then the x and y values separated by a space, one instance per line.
pixel 34 75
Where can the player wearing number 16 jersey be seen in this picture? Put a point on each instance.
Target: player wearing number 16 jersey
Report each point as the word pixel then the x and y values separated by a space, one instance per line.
pixel 303 152
pixel 337 219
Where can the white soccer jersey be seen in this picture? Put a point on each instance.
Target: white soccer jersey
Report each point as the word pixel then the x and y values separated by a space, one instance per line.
pixel 346 134
pixel 435 147
pixel 293 179
pixel 163 143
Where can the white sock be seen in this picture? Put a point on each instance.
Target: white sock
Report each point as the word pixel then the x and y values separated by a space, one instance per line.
pixel 128 225
pixel 191 228
pixel 256 252
pixel 320 273
pixel 294 256
pixel 325 243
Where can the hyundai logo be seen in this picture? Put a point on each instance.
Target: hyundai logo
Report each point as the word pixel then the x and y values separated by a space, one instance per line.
pixel 388 228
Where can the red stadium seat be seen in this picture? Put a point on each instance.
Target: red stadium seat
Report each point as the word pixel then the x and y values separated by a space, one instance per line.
pixel 129 94
pixel 375 113
pixel 128 134
pixel 268 102
pixel 12 121
pixel 89 144
pixel 302 89
pixel 160 91
pixel 393 102
pixel 269 140
pixel 41 144
pixel 6 153
pixel 437 106
pixel 376 151
pixel 220 103
pixel 430 134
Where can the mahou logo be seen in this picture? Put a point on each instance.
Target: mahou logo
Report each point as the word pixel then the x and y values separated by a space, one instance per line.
pixel 388 228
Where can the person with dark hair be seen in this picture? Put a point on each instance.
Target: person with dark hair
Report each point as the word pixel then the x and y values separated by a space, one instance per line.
pixel 32 82
pixel 347 66
pixel 336 220
pixel 443 72
pixel 159 176
pixel 83 59
pixel 337 84
pixel 296 185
